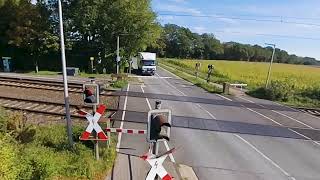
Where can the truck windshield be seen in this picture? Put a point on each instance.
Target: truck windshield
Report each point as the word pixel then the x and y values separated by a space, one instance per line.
pixel 148 63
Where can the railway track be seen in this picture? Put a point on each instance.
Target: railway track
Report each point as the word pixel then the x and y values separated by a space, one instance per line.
pixel 313 111
pixel 46 85
pixel 44 107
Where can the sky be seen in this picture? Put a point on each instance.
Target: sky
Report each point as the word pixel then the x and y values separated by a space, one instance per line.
pixel 293 25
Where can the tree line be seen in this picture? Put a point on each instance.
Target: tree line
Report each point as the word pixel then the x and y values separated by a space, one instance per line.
pixel 29 32
pixel 181 42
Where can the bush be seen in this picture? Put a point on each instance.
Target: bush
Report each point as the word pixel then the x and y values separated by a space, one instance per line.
pixel 277 91
pixel 4 118
pixel 280 90
pixel 119 84
pixel 9 166
pixel 47 155
pixel 312 93
pixel 13 164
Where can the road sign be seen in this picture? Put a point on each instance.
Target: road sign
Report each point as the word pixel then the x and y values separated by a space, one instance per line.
pixel 93 124
pixel 156 165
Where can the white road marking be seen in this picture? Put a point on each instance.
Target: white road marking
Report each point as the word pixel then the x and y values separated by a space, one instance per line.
pixel 265 156
pixel 287 107
pixel 285 114
pixel 263 115
pixel 165 142
pixel 170 73
pixel 148 102
pixel 308 138
pixel 297 110
pixel 186 95
pixel 223 97
pixel 176 76
pixel 173 86
pixel 246 99
pixel 122 118
pixel 151 77
pixel 168 148
pixel 293 119
pixel 211 115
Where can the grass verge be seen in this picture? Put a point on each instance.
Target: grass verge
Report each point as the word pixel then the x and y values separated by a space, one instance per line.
pixel 81 74
pixel 44 73
pixel 196 81
pixel 119 84
pixel 33 152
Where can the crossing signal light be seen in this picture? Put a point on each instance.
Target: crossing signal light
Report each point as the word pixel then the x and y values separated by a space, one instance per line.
pixel 91 94
pixel 155 128
pixel 156 121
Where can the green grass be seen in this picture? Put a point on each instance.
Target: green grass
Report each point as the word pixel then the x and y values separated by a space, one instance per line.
pixel 33 152
pixel 87 75
pixel 119 84
pixel 255 73
pixel 44 73
pixel 81 74
pixel 296 85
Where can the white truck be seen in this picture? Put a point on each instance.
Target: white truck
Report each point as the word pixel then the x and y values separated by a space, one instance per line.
pixel 147 63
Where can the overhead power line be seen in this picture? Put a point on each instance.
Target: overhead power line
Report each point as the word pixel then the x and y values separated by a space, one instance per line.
pixel 270 35
pixel 239 18
pixel 257 16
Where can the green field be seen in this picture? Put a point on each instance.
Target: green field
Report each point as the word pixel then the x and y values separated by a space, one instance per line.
pixel 300 83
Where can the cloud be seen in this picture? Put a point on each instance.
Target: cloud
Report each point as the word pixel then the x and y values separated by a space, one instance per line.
pixel 178 9
pixel 227 20
pixel 179 1
pixel 199 29
pixel 166 19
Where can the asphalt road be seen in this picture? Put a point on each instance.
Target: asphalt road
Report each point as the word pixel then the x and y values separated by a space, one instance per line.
pixel 220 155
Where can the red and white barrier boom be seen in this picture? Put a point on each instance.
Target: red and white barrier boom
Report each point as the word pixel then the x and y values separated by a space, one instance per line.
pixel 126 131
pixel 93 124
pixel 156 165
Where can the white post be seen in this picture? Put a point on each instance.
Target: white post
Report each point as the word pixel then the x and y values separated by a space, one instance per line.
pixel 270 66
pixel 65 81
pixel 118 56
pixel 96 142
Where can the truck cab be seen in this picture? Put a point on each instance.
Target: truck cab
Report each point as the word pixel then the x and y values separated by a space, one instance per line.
pixel 147 63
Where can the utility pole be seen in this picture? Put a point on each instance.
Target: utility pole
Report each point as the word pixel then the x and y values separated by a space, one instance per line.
pixel 65 80
pixel 270 66
pixel 118 56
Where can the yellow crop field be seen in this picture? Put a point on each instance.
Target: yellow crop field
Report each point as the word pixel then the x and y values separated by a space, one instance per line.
pixel 255 73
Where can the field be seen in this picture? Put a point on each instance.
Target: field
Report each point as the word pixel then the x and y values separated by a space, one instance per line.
pixel 303 82
pixel 254 74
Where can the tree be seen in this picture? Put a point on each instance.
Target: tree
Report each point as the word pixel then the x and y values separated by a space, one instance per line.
pixel 8 10
pixel 30 30
pixel 212 47
pixel 96 25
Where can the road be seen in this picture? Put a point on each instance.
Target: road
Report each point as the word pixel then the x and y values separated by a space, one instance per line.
pixel 227 137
